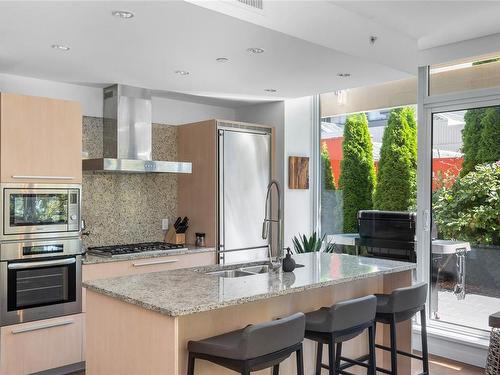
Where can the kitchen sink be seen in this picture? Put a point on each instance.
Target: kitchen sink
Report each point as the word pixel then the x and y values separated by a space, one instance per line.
pixel 244 271
pixel 256 269
pixel 230 273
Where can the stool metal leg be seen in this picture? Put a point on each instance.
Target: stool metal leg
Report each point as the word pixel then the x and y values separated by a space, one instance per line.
pixel 371 341
pixel 394 349
pixel 191 360
pixel 319 358
pixel 300 361
pixel 338 355
pixel 425 351
pixel 245 371
pixel 331 357
pixel 276 369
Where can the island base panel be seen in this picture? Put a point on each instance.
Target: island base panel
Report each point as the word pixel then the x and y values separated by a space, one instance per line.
pixel 126 339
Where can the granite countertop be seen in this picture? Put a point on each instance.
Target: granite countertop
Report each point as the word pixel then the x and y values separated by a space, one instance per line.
pixel 191 290
pixel 189 249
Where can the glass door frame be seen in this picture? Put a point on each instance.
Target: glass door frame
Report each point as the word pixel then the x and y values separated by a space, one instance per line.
pixel 427 105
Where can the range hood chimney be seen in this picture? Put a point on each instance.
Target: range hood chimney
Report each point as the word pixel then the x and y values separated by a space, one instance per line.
pixel 127 137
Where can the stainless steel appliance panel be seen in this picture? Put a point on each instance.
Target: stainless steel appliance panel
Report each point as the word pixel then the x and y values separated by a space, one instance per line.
pixel 39 280
pixel 40 211
pixel 244 173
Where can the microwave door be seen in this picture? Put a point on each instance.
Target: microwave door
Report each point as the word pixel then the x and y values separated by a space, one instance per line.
pixel 40 212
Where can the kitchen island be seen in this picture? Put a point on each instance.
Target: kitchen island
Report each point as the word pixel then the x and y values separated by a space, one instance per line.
pixel 141 324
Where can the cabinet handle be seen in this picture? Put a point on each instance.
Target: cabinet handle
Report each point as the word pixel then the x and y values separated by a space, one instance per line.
pixel 44 177
pixel 41 326
pixel 155 262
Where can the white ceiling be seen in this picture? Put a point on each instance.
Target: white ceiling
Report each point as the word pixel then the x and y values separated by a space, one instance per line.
pixel 306 43
pixel 432 23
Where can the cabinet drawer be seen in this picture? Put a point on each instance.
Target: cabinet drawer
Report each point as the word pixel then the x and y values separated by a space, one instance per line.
pixel 36 346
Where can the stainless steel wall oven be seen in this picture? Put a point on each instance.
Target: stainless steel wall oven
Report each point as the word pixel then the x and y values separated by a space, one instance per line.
pixel 39 280
pixel 32 211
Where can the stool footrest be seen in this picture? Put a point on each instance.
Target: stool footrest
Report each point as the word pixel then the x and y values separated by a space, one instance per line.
pixel 350 363
pixel 411 355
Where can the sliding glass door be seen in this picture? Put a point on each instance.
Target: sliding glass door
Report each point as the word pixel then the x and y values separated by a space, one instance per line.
pixel 459 206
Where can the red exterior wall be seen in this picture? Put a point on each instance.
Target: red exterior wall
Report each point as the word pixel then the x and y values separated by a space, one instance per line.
pixel 447 166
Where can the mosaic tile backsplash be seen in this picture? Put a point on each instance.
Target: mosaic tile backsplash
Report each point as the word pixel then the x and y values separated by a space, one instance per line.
pixel 127 207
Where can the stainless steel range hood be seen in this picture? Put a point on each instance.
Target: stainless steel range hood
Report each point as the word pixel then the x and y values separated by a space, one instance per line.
pixel 127 137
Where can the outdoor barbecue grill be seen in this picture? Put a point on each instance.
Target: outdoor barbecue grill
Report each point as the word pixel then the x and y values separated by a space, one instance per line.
pixel 392 235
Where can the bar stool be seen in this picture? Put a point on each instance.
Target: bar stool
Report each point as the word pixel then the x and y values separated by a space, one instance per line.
pixel 339 323
pixel 402 304
pixel 254 347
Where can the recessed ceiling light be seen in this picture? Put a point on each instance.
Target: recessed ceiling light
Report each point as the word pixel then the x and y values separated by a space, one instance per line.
pixel 123 14
pixel 60 47
pixel 343 75
pixel 222 59
pixel 182 72
pixel 270 90
pixel 255 50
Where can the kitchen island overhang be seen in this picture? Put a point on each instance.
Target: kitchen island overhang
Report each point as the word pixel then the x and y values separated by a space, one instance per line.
pixel 141 324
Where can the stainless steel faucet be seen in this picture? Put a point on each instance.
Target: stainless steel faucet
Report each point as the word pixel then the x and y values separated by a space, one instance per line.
pixel 279 222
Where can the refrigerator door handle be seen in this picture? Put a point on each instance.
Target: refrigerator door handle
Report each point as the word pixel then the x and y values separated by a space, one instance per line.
pixel 220 166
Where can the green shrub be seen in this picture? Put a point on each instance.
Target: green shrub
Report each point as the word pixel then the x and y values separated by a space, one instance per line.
pixel 397 169
pixel 469 209
pixel 471 136
pixel 326 169
pixel 489 144
pixel 357 176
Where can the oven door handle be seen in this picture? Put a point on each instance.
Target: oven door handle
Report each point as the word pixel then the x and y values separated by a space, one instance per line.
pixel 44 263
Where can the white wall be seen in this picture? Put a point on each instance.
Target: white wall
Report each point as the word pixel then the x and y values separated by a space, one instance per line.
pixel 272 114
pixel 89 97
pixel 165 110
pixel 176 112
pixel 298 142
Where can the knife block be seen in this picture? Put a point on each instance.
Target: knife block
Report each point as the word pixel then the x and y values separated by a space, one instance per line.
pixel 175 238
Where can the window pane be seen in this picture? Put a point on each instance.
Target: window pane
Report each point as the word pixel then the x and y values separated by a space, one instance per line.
pixel 363 169
pixel 465 277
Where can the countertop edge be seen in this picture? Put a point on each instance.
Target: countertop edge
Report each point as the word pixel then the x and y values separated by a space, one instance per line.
pixel 89 259
pixel 220 305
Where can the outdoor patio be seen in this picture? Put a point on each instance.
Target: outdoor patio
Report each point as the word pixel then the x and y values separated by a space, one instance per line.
pixel 473 311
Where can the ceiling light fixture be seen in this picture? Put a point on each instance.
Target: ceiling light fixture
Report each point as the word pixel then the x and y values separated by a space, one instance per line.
pixel 60 47
pixel 373 39
pixel 123 14
pixel 343 75
pixel 255 50
pixel 182 72
pixel 222 59
pixel 270 90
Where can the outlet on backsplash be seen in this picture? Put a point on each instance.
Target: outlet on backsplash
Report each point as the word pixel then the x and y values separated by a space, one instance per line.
pixel 164 224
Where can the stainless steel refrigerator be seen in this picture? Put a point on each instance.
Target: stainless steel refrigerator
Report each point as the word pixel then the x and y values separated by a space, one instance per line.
pixel 244 171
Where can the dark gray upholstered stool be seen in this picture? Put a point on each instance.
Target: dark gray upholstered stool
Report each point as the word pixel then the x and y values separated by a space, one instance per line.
pixel 254 347
pixel 339 323
pixel 402 304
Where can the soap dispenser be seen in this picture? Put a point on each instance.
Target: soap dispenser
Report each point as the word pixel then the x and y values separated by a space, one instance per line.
pixel 288 262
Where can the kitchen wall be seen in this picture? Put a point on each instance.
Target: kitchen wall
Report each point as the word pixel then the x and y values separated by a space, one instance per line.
pixel 128 207
pixel 299 207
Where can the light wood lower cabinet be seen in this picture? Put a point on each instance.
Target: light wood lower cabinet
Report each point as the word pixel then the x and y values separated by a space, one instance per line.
pixel 36 346
pixel 131 267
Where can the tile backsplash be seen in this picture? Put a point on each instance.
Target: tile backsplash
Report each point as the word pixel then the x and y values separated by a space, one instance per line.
pixel 128 207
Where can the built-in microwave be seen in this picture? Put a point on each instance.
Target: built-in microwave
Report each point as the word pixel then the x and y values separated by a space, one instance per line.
pixel 32 211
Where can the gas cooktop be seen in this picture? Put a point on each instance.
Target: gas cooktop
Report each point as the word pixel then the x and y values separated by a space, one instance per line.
pixel 117 250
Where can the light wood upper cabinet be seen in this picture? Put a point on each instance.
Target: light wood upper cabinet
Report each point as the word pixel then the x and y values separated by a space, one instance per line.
pixel 40 140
